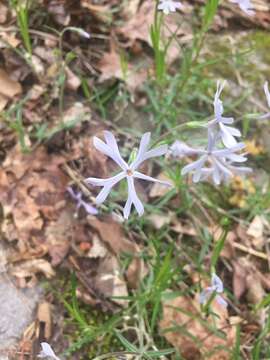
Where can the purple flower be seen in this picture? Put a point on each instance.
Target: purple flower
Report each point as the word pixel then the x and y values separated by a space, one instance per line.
pixel 78 197
pixel 216 163
pixel 246 6
pixel 47 351
pixel 215 288
pixel 129 172
pixel 267 94
pixel 227 133
pixel 168 6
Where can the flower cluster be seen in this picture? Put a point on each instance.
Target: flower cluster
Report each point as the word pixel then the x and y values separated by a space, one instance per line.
pixel 168 6
pixel 245 6
pixel 216 162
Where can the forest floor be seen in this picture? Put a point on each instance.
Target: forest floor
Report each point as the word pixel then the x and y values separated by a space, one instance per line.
pixel 99 284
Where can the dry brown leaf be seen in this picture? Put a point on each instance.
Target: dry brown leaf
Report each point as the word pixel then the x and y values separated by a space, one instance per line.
pixel 73 81
pixel 239 277
pixel 113 236
pixel 256 227
pixel 101 12
pixel 159 220
pixel 3 13
pixel 158 190
pixel 59 235
pixel 111 68
pixel 30 267
pixel 8 88
pixel 184 312
pixel 108 280
pixel 44 317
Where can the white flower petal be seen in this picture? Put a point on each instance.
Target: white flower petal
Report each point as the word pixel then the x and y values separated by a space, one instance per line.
pixel 111 142
pixel 107 185
pixel 181 149
pixel 127 207
pixel 144 143
pixel 228 140
pixel 236 158
pixel 159 151
pixel 47 351
pixel 205 295
pixel 266 91
pixel 133 196
pixel 110 152
pixel 217 283
pixel 194 165
pixel 139 175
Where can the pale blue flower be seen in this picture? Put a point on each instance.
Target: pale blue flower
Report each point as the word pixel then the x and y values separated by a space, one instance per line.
pixel 245 5
pixel 215 288
pixel 168 6
pixel 129 172
pixel 216 163
pixel 81 203
pixel 227 133
pixel 181 149
pixel 47 352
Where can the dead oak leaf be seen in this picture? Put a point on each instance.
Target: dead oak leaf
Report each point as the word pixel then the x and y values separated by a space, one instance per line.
pixel 8 88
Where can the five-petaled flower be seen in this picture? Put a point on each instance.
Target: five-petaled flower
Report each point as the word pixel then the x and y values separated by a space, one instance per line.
pixel 81 203
pixel 47 352
pixel 168 6
pixel 246 6
pixel 219 162
pixel 215 288
pixel 129 172
pixel 227 133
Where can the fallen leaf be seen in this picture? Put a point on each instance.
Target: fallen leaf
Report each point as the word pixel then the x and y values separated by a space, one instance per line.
pixel 158 190
pixel 256 227
pixel 113 236
pixel 8 88
pixel 194 338
pixel 3 13
pixel 159 220
pixel 44 317
pixel 30 267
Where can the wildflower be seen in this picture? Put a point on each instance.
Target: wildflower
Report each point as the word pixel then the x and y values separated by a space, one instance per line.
pixel 267 94
pixel 78 197
pixel 215 288
pixel 227 133
pixel 168 6
pixel 245 5
pixel 47 352
pixel 181 149
pixel 129 172
pixel 220 162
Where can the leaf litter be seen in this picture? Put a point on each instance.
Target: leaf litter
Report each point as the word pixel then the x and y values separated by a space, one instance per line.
pixel 39 224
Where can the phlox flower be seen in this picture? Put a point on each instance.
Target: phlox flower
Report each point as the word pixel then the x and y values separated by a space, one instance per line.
pixel 168 6
pixel 267 94
pixel 81 203
pixel 216 163
pixel 129 172
pixel 47 352
pixel 181 149
pixel 245 5
pixel 215 288
pixel 227 133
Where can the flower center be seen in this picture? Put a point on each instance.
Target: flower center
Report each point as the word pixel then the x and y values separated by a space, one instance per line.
pixel 129 172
